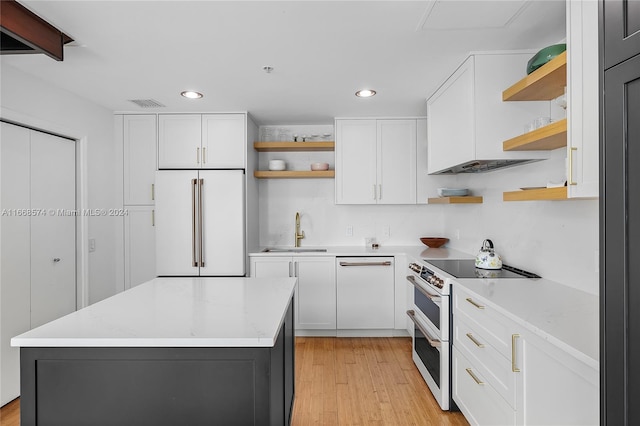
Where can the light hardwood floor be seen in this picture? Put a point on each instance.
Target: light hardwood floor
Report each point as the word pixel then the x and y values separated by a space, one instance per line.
pixel 350 381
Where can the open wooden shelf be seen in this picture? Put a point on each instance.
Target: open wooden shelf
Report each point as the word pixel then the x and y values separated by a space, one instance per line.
pixel 545 83
pixel 294 146
pixel 559 193
pixel 549 137
pixel 455 200
pixel 293 174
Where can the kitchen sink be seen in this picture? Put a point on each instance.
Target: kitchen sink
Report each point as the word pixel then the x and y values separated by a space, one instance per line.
pixel 294 250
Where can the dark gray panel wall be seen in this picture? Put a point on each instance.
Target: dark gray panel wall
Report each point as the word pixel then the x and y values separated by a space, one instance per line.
pixel 621 30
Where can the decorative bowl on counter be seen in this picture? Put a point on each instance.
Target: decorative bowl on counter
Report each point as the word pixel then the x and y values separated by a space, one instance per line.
pixel 434 242
pixel 277 165
pixel 319 166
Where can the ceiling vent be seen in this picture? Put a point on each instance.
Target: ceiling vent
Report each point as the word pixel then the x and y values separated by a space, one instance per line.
pixel 147 103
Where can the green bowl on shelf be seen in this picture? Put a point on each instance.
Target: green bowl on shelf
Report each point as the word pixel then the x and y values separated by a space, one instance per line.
pixel 544 56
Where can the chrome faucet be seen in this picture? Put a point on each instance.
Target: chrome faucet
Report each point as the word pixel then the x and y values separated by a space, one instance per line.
pixel 299 234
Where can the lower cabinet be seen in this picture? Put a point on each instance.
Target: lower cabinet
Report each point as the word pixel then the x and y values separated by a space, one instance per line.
pixel 505 374
pixel 316 290
pixel 365 292
pixel 139 245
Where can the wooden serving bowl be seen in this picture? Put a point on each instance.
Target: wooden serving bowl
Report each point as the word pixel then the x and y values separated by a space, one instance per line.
pixel 434 242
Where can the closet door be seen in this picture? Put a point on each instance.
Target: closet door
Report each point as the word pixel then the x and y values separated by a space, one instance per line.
pixel 53 236
pixel 14 248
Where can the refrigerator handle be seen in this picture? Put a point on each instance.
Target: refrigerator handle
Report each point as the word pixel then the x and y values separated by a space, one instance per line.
pixel 201 237
pixel 193 223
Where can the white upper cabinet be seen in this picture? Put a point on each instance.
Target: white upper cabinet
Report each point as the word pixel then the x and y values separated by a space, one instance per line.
pixel 223 141
pixel 139 136
pixel 376 161
pixel 467 120
pixel 583 128
pixel 195 141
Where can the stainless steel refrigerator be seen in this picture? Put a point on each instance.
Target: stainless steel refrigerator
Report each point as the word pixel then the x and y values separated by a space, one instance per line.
pixel 200 223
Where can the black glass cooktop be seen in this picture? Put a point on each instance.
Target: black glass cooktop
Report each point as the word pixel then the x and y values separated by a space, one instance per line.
pixel 467 269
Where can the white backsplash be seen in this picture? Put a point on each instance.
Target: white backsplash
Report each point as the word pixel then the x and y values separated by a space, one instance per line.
pixel 555 239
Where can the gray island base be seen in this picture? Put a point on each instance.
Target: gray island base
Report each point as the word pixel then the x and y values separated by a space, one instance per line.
pixel 121 385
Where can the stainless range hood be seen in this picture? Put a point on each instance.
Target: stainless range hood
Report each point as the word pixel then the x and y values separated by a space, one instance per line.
pixel 480 166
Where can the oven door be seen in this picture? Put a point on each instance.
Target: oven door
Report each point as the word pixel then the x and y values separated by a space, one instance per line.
pixel 433 306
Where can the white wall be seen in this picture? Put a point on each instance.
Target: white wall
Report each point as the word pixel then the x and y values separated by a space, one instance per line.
pixel 556 239
pixel 36 103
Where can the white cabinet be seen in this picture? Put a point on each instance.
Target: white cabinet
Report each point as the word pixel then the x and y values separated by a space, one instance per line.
pixel 505 374
pixel 202 141
pixel 467 120
pixel 376 161
pixel 315 300
pixel 139 157
pixel 139 245
pixel 365 292
pixel 583 119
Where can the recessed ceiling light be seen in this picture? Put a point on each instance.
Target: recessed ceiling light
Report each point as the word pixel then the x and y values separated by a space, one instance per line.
pixel 191 94
pixel 365 93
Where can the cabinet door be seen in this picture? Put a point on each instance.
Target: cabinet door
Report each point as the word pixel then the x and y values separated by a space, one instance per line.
pixel 621 31
pixel 450 120
pixel 139 245
pixel 15 277
pixel 365 292
pixel 583 109
pixel 224 141
pixel 553 387
pixel 356 162
pixel 223 224
pixel 175 228
pixel 179 141
pixel 140 141
pixel 396 161
pixel 316 293
pixel 271 266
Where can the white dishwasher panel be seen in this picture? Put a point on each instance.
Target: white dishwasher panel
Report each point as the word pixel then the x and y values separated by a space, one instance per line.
pixel 365 292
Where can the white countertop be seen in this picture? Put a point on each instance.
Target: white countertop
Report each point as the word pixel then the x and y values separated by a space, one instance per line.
pixel 562 315
pixel 417 252
pixel 175 312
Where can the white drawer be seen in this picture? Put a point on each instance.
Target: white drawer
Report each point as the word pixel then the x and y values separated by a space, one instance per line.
pixel 495 327
pixel 476 398
pixel 490 363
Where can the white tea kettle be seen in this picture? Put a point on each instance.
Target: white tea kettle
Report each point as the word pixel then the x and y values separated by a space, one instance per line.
pixel 487 258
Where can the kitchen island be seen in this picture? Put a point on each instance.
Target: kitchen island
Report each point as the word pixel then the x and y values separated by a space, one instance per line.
pixel 169 351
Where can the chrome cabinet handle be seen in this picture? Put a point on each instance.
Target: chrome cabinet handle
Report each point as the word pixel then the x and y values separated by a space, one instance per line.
pixel 374 191
pixel 385 263
pixel 470 300
pixel 200 185
pixel 473 376
pixel 194 262
pixel 433 297
pixel 153 192
pixel 204 155
pixel 435 343
pixel 474 340
pixel 198 155
pixel 153 218
pixel 290 269
pixel 514 367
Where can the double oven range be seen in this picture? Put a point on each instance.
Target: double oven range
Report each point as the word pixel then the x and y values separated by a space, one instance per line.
pixel 431 316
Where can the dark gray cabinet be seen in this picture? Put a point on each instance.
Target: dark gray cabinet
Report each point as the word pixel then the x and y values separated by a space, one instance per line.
pixel 620 213
pixel 621 27
pixel 160 386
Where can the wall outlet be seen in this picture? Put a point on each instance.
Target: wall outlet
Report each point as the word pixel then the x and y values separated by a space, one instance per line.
pixel 457 234
pixel 92 245
pixel 349 231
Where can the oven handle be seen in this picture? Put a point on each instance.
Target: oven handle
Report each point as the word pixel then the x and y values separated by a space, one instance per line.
pixel 433 297
pixel 433 342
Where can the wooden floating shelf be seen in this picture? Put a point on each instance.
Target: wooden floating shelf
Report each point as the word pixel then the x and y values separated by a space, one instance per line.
pixel 559 193
pixel 293 174
pixel 549 137
pixel 455 200
pixel 294 146
pixel 545 83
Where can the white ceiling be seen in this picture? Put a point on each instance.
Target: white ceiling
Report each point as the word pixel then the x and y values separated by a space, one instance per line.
pixel 321 51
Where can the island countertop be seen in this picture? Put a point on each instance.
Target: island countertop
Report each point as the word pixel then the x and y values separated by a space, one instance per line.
pixel 175 312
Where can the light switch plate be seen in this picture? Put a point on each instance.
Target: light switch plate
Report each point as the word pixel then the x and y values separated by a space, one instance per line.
pixel 92 245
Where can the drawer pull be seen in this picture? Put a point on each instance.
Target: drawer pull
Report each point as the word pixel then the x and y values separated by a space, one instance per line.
pixel 470 300
pixel 514 368
pixel 473 376
pixel 474 340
